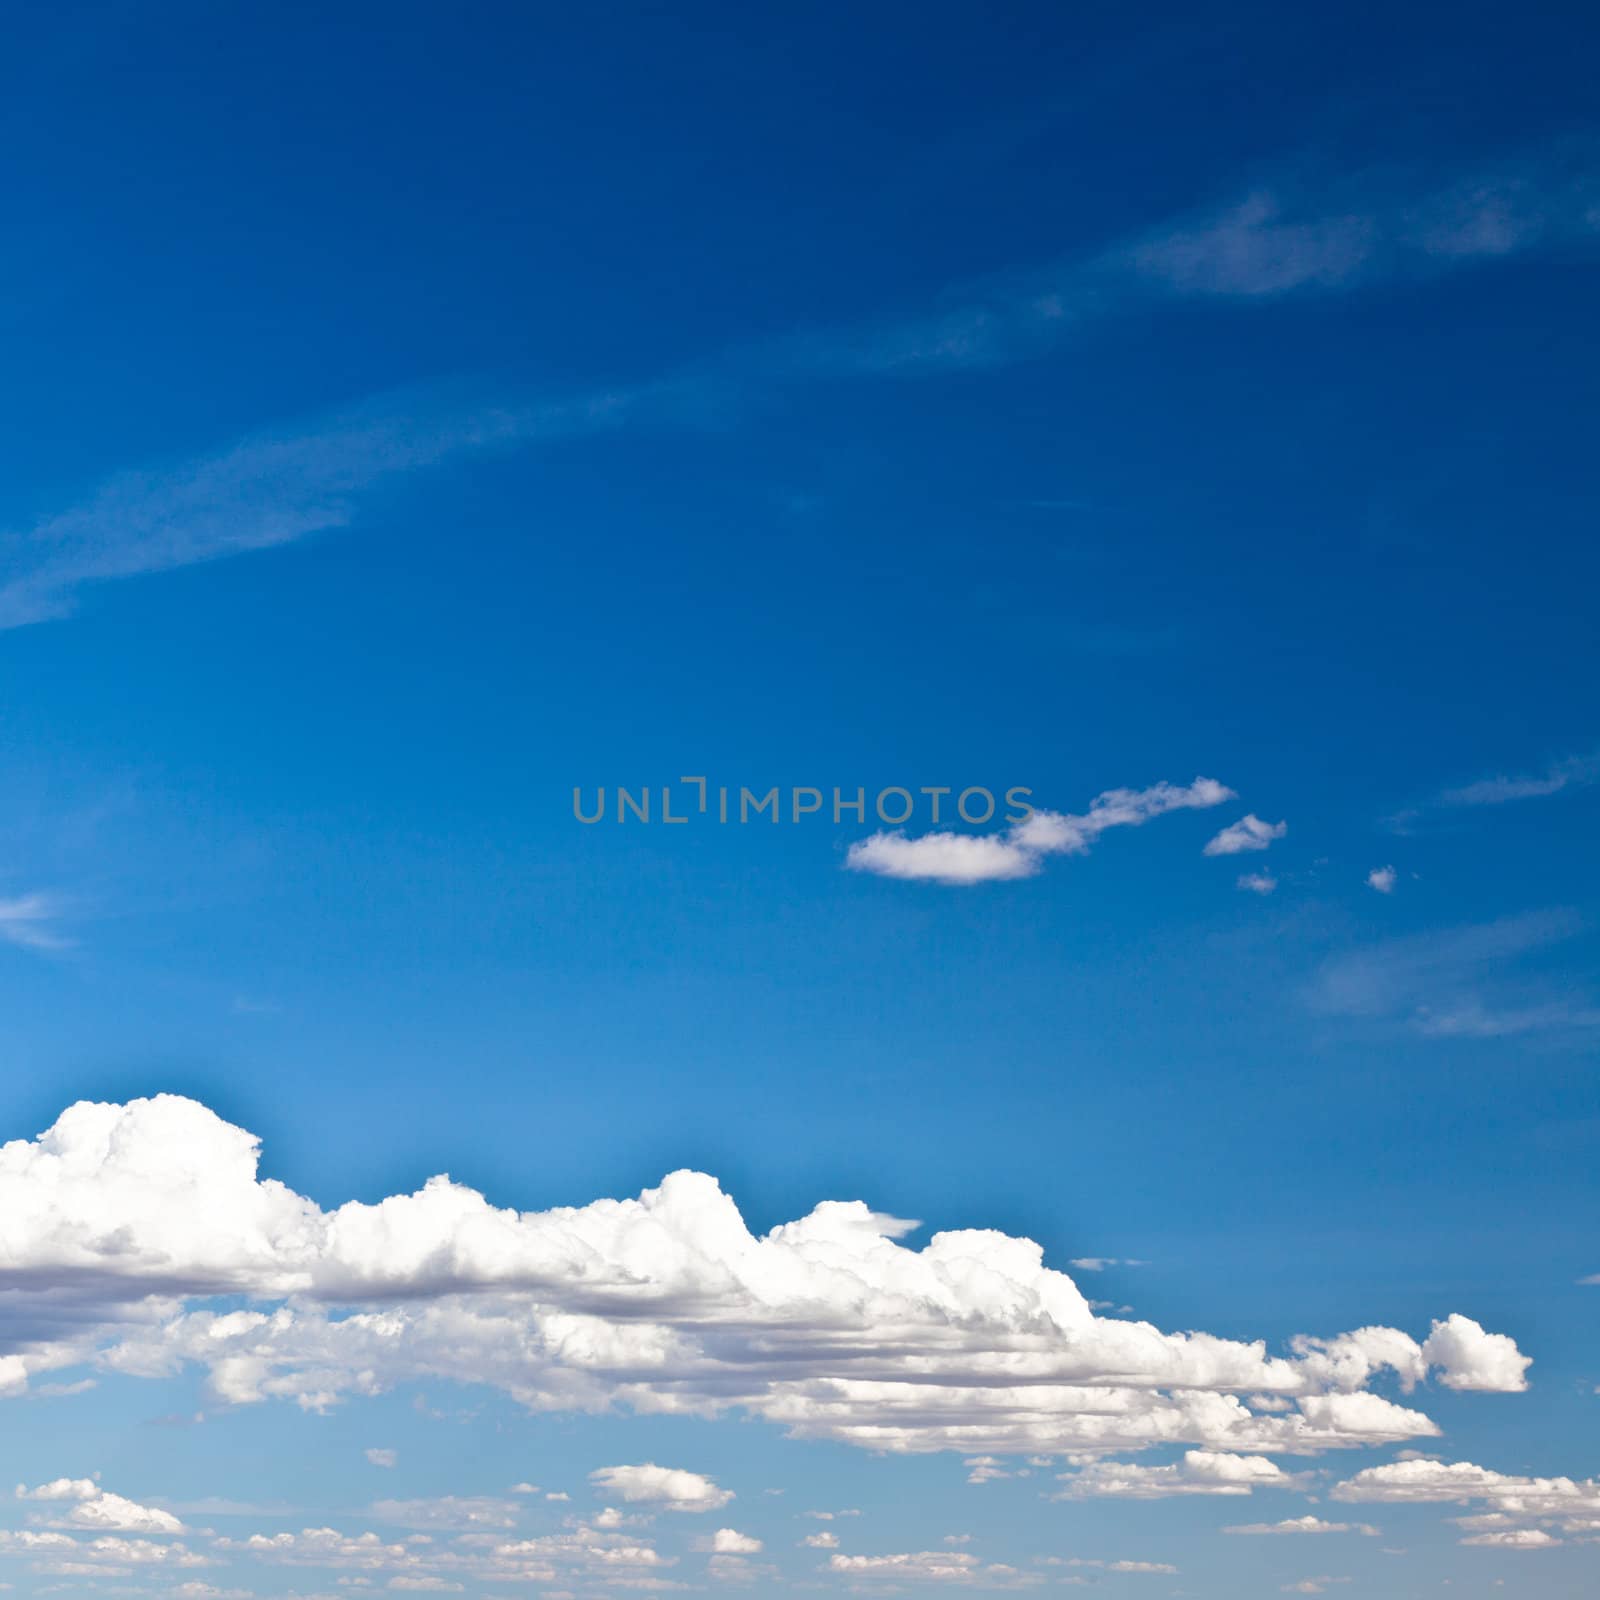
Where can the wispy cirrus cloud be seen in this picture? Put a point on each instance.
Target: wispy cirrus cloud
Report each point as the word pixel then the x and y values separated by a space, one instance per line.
pixel 1020 851
pixel 33 921
pixel 1477 982
pixel 274 488
pixel 1579 771
pixel 281 485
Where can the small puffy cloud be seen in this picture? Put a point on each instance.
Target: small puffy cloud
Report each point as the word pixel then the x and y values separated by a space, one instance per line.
pixel 821 1541
pixel 1257 882
pixel 382 1458
pixel 1019 852
pixel 672 1488
pixel 949 858
pixel 729 1542
pixel 90 1506
pixel 1470 1358
pixel 1515 1539
pixel 1248 833
pixel 1383 879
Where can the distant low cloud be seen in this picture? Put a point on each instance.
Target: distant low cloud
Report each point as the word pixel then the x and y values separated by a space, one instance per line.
pixel 1292 1526
pixel 1383 879
pixel 1021 850
pixel 382 1458
pixel 1248 833
pixel 1262 883
pixel 1519 1513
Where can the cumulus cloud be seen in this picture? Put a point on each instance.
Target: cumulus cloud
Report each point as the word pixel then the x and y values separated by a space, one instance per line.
pixel 672 1488
pixel 1258 882
pixel 1199 1472
pixel 382 1458
pixel 1383 879
pixel 1524 1513
pixel 120 1224
pixel 730 1542
pixel 1248 833
pixel 1020 851
pixel 86 1505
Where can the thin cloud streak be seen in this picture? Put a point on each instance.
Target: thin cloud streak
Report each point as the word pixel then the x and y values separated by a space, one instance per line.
pixel 273 488
pixel 29 920
pixel 276 487
pixel 1461 983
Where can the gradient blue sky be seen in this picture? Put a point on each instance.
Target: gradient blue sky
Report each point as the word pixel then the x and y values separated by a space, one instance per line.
pixel 419 411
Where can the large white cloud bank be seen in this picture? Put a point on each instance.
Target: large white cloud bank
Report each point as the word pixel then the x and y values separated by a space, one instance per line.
pixel 121 1224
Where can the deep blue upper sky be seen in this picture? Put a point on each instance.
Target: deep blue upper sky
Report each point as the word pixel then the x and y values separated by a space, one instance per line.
pixel 927 409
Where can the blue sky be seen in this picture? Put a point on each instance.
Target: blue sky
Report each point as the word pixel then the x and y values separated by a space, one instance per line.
pixel 421 414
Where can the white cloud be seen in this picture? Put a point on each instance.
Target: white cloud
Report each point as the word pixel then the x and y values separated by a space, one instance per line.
pixel 1303 1525
pixel 821 1541
pixel 1521 1512
pixel 672 1488
pixel 1019 852
pixel 90 1506
pixel 1248 833
pixel 950 858
pixel 948 1567
pixel 1258 882
pixel 729 1542
pixel 1515 1539
pixel 1383 879
pixel 382 1458
pixel 826 1326
pixel 1199 1472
